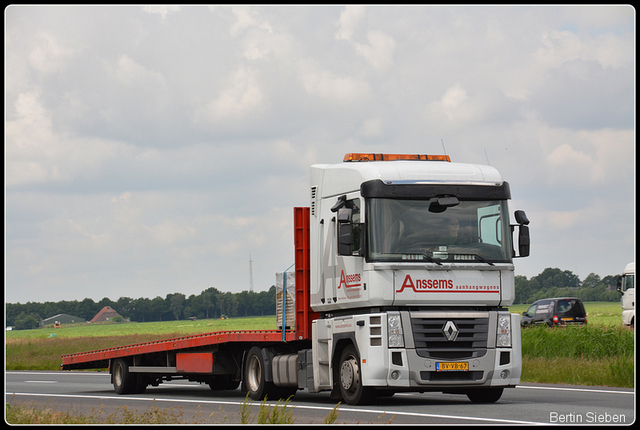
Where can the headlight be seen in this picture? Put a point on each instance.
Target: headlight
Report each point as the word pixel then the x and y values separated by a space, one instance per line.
pixel 503 338
pixel 394 329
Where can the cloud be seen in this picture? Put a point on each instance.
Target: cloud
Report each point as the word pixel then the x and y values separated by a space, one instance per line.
pixel 163 11
pixel 241 98
pixel 588 158
pixel 329 86
pixel 37 153
pixel 350 19
pixel 460 108
pixel 380 50
pixel 247 18
pixel 130 73
pixel 49 55
pixel 594 97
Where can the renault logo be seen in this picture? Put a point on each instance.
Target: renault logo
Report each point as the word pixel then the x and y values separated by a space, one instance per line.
pixel 450 331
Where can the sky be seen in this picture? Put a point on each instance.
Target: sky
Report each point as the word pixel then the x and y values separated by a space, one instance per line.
pixel 158 150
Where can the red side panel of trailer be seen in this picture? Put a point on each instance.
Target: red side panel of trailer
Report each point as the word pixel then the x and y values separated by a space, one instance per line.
pixel 304 314
pixel 194 362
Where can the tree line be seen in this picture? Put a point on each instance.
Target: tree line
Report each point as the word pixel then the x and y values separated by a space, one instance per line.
pixel 553 282
pixel 212 303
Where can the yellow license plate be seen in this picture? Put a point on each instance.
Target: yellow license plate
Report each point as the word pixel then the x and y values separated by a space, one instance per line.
pixel 567 319
pixel 452 367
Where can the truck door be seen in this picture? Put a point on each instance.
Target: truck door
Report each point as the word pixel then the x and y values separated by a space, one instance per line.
pixel 343 262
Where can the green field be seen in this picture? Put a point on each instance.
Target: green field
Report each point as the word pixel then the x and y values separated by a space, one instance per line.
pixel 601 353
pixel 162 328
pixel 40 349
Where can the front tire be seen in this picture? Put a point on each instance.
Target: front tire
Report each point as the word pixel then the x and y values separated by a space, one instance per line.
pixel 350 379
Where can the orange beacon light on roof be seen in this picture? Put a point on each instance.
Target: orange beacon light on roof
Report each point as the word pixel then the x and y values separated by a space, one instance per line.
pixel 392 157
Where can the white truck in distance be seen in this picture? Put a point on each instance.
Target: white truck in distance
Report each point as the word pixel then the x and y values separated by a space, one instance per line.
pixel 411 265
pixel 626 287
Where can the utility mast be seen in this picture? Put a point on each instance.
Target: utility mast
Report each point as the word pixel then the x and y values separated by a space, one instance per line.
pixel 250 274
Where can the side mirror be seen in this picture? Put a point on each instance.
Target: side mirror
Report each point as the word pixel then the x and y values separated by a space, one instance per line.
pixel 524 240
pixel 619 284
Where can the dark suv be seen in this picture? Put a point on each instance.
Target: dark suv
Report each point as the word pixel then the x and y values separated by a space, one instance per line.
pixel 555 312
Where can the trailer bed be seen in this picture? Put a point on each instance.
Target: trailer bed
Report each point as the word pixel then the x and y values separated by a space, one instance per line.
pixel 100 358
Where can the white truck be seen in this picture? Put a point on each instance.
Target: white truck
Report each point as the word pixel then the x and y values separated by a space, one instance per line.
pixel 626 287
pixel 403 275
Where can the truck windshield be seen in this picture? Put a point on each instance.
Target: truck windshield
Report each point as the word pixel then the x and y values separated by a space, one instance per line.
pixel 423 230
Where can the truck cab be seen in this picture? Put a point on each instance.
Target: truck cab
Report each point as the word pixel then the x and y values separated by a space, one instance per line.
pixel 412 269
pixel 626 287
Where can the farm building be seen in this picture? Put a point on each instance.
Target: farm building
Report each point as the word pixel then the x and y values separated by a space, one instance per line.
pixel 105 314
pixel 62 319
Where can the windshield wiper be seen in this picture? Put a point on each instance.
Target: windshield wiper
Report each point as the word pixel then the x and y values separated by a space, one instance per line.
pixel 428 258
pixel 483 260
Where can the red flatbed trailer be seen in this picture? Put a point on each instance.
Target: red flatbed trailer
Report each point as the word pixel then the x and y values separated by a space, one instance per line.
pixel 213 358
pixel 100 358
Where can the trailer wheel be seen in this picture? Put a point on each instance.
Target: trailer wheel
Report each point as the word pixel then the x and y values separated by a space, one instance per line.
pixel 125 382
pixel 122 379
pixel 485 395
pixel 350 378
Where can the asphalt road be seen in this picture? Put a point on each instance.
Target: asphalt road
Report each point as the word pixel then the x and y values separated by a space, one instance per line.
pixel 90 392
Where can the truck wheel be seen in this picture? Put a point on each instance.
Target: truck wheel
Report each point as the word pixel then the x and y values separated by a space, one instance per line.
pixel 350 379
pixel 254 375
pixel 485 395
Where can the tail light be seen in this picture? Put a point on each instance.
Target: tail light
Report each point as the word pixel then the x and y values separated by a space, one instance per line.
pixel 555 319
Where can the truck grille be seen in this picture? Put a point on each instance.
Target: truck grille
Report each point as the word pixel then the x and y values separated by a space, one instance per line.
pixel 430 337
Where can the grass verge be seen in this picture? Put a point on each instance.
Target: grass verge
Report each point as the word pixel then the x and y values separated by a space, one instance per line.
pixel 588 355
pixel 36 414
pixel 609 372
pixel 279 413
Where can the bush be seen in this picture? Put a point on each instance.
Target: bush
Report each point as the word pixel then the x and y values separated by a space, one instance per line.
pixel 26 322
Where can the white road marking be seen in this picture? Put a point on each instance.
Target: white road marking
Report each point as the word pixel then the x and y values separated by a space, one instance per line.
pixel 575 389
